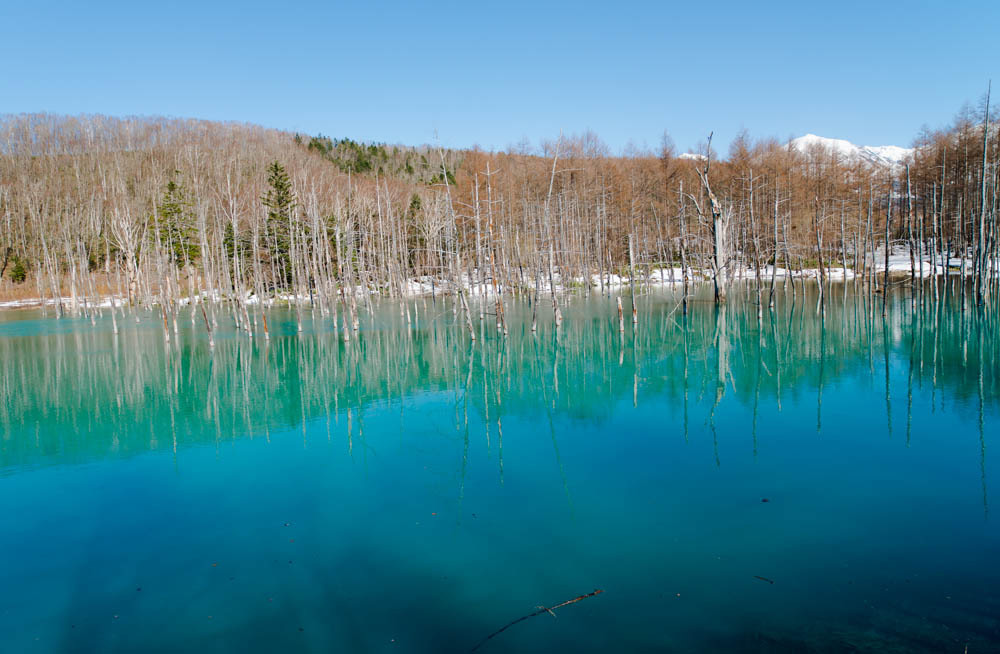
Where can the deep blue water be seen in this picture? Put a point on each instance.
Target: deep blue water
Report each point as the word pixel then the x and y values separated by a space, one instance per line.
pixel 412 491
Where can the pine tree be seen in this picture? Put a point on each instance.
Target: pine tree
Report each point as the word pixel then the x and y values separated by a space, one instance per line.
pixel 280 203
pixel 176 224
pixel 18 272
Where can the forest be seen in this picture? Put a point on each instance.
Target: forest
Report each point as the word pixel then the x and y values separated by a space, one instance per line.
pixel 156 212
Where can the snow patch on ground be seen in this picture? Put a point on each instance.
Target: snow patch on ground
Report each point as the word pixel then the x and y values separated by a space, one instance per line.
pixel 89 302
pixel 478 285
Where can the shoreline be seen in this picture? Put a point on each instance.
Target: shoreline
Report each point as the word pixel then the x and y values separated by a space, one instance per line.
pixel 657 278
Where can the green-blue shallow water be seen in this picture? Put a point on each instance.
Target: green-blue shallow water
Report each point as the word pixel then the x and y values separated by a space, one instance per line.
pixel 412 491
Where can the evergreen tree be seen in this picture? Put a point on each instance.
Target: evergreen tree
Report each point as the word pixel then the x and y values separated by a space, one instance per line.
pixel 176 224
pixel 18 272
pixel 280 203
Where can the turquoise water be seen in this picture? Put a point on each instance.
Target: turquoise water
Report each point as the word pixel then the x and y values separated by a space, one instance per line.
pixel 410 491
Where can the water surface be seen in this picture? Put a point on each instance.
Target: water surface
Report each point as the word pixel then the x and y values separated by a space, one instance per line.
pixel 809 482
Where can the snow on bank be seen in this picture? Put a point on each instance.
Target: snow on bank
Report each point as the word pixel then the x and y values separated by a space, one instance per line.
pixel 103 302
pixel 481 286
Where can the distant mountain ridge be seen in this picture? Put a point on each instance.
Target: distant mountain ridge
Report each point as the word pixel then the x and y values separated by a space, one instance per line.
pixel 883 156
pixel 888 156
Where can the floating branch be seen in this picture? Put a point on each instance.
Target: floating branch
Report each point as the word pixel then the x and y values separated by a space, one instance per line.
pixel 541 609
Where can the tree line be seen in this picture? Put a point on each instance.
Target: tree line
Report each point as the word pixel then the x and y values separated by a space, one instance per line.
pixel 154 210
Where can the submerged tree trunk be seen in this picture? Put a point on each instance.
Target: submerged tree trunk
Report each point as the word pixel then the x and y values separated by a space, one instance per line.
pixel 719 218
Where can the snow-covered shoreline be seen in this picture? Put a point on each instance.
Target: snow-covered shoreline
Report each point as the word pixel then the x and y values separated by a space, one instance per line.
pixel 480 286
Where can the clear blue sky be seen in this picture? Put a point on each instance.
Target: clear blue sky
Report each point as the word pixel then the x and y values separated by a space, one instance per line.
pixel 495 73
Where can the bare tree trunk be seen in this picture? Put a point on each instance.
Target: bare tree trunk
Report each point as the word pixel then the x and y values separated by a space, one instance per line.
pixel 980 242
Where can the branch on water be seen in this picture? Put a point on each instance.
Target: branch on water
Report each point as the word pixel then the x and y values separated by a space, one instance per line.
pixel 541 609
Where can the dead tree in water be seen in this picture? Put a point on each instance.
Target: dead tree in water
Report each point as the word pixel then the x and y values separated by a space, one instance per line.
pixel 885 273
pixel 774 262
pixel 719 220
pixel 541 609
pixel 684 263
pixel 548 226
pixel 981 256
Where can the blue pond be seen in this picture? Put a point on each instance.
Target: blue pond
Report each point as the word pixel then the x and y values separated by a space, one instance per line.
pixel 806 482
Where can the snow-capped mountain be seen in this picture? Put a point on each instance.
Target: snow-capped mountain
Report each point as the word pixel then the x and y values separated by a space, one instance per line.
pixel 878 155
pixel 883 156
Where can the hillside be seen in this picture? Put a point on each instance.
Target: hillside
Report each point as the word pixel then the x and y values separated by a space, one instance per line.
pixel 156 209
